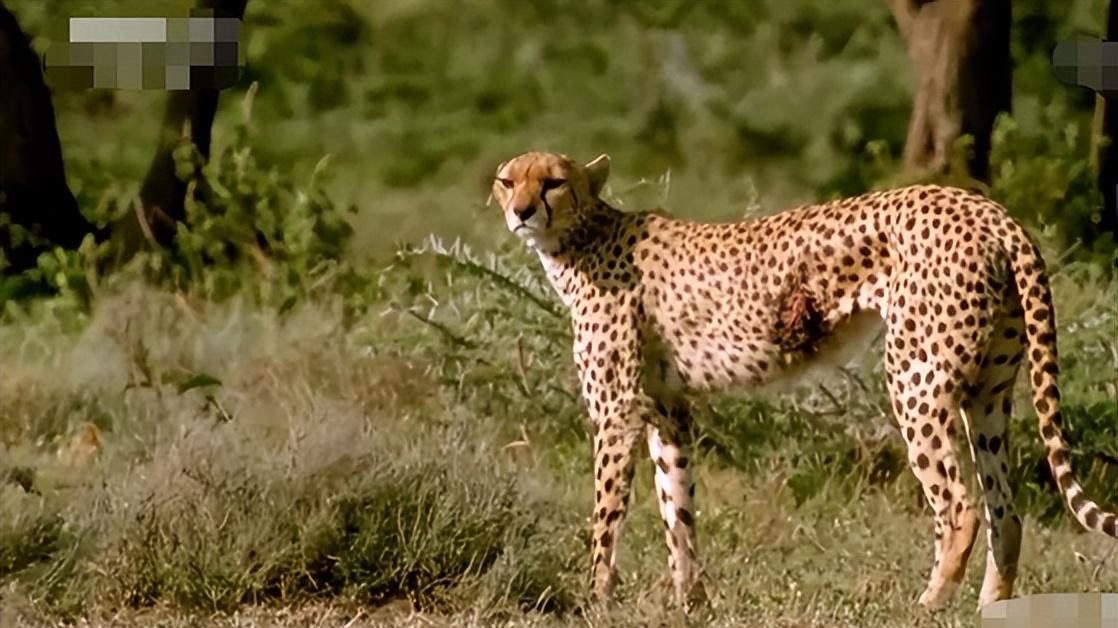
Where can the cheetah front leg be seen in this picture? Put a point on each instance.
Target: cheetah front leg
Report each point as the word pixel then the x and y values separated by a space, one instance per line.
pixel 669 445
pixel 615 442
pixel 607 355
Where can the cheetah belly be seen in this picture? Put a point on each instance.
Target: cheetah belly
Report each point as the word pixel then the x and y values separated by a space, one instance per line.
pixel 702 361
pixel 695 346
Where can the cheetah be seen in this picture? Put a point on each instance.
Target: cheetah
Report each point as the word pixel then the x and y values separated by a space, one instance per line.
pixel 663 308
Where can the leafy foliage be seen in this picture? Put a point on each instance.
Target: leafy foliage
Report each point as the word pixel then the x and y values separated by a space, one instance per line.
pixel 1042 172
pixel 292 232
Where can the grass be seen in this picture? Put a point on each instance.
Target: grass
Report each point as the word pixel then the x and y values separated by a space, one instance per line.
pixel 266 486
pixel 426 459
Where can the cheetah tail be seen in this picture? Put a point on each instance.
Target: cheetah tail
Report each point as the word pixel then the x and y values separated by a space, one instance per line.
pixel 1040 336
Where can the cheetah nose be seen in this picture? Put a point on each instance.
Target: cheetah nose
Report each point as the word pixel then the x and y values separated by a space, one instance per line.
pixel 525 213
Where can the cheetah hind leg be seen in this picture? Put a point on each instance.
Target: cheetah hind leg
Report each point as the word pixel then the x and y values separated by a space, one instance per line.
pixel 669 447
pixel 929 417
pixel 988 411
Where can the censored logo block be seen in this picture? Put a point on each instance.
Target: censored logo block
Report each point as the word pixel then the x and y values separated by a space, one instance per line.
pixel 1091 63
pixel 168 53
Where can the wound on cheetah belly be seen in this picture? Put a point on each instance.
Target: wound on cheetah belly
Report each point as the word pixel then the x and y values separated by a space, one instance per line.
pixel 800 325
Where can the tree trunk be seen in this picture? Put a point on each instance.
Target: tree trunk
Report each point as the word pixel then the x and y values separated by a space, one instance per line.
pixel 960 49
pixel 1106 105
pixel 189 115
pixel 33 192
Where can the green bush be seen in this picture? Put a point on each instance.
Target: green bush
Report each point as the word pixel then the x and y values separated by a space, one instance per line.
pixel 255 215
pixel 1041 171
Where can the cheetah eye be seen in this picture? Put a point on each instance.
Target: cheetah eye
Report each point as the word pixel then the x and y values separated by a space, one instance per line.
pixel 507 183
pixel 551 184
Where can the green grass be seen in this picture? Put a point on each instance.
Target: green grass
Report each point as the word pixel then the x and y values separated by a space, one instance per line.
pixel 300 422
pixel 314 469
pixel 429 456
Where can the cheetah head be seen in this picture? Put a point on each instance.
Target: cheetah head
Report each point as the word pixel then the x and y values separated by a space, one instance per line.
pixel 545 195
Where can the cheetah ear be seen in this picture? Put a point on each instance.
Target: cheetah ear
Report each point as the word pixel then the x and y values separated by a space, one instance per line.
pixel 497 173
pixel 597 172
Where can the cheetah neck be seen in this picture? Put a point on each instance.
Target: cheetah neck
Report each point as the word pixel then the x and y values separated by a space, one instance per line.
pixel 567 264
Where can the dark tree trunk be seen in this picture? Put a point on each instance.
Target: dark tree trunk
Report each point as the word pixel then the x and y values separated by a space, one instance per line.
pixel 33 190
pixel 189 115
pixel 1108 149
pixel 960 50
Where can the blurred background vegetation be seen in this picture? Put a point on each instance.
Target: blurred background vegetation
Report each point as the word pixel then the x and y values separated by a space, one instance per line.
pixel 345 386
pixel 415 101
